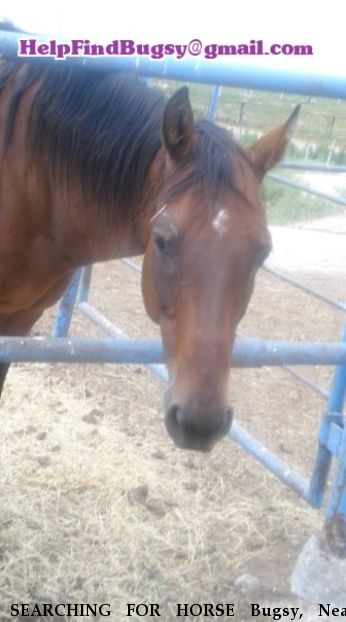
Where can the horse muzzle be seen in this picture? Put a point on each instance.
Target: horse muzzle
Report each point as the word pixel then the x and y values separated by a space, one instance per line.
pixel 195 428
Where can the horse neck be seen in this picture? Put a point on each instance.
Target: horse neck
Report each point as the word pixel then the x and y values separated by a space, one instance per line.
pixel 89 233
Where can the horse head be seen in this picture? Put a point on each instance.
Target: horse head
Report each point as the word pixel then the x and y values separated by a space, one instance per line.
pixel 208 237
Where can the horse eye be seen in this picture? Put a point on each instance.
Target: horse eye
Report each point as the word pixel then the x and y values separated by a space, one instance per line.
pixel 161 244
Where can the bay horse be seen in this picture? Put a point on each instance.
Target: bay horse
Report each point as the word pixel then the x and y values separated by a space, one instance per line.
pixel 96 166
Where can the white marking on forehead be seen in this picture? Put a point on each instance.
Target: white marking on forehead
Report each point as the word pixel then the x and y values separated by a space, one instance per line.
pixel 220 222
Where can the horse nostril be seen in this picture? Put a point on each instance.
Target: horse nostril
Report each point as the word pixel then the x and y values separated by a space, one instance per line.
pixel 174 422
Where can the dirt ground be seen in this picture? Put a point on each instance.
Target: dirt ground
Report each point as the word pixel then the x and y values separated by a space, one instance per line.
pixel 98 506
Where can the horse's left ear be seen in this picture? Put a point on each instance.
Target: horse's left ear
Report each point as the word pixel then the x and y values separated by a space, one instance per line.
pixel 270 149
pixel 177 125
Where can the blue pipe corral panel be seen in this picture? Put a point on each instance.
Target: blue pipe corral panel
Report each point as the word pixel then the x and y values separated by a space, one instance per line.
pixel 338 390
pixel 216 92
pixel 324 456
pixel 113 331
pixel 84 285
pixel 314 168
pixel 65 308
pixel 228 72
pixel 280 468
pixel 337 304
pixel 304 188
pixel 246 353
pixel 336 510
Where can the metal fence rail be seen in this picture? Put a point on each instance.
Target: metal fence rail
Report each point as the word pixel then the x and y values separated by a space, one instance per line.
pixel 304 188
pixel 246 353
pixel 337 304
pixel 200 69
pixel 313 168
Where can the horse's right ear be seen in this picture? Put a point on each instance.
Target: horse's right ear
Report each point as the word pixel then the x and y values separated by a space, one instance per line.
pixel 177 125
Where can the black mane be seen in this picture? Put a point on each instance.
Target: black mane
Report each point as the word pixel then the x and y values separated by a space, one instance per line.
pixel 103 130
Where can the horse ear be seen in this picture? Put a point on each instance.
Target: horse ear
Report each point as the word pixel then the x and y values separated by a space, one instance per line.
pixel 177 125
pixel 269 150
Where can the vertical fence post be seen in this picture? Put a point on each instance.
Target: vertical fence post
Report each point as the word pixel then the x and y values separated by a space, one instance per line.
pixel 84 286
pixel 332 416
pixel 215 94
pixel 336 510
pixel 241 118
pixel 65 308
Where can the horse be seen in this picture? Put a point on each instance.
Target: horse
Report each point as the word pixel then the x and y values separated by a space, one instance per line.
pixel 97 166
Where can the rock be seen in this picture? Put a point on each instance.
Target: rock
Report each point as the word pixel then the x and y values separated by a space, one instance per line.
pixel 156 507
pixel 41 436
pixel 79 583
pixel 138 494
pixel 32 524
pixel 159 455
pixel 255 542
pixel 319 576
pixel 191 486
pixel 284 448
pixel 180 555
pixel 92 417
pixel 43 461
pixel 30 429
pixel 189 463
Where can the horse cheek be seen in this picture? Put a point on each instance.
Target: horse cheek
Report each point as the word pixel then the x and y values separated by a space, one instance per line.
pixel 149 293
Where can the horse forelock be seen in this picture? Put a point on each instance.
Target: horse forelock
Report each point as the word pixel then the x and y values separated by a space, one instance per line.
pixel 211 168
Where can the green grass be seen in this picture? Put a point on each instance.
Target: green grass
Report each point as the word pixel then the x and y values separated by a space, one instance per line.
pixel 287 205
